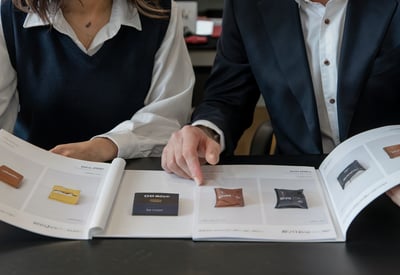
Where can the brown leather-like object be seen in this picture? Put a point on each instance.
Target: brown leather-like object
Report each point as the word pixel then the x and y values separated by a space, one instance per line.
pixel 229 197
pixel 393 151
pixel 11 177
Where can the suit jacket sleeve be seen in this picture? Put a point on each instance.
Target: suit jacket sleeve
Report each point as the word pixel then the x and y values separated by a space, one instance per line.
pixel 231 91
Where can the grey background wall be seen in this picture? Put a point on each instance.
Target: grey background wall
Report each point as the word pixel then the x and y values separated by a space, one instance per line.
pixel 210 4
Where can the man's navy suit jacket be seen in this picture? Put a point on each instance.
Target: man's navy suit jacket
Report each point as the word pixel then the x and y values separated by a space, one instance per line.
pixel 262 49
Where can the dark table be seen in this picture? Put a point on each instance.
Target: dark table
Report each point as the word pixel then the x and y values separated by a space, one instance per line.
pixel 372 247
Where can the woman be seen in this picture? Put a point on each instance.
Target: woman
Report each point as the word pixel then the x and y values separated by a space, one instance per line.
pixel 93 79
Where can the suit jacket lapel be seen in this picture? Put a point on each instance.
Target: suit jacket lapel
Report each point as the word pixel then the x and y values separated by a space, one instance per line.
pixel 365 23
pixel 283 26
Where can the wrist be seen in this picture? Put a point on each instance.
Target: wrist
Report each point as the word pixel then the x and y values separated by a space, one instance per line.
pixel 210 133
pixel 106 148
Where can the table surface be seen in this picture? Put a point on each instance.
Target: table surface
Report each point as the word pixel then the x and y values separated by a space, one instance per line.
pixel 372 247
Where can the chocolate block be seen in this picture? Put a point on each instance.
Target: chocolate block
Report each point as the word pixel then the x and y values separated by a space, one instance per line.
pixel 11 177
pixel 228 197
pixel 393 151
pixel 350 173
pixel 65 195
pixel 286 198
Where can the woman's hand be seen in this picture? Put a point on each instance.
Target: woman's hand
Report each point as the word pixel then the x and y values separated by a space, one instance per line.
pixel 97 149
pixel 394 194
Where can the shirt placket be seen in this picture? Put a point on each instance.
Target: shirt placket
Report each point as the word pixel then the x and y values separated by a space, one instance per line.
pixel 328 58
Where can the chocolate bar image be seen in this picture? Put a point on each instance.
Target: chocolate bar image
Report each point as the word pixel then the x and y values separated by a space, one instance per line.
pixel 290 198
pixel 228 197
pixel 11 177
pixel 349 173
pixel 65 195
pixel 393 151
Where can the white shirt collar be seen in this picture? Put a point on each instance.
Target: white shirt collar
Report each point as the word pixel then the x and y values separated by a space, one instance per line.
pixel 300 2
pixel 122 14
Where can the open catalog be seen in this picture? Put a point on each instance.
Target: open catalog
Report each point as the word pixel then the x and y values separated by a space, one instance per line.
pixel 54 195
pixel 295 203
pixel 68 198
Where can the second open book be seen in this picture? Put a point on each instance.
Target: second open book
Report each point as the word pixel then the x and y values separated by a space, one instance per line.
pixel 237 202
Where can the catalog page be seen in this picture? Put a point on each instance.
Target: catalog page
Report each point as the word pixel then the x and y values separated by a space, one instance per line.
pixel 262 203
pixel 151 204
pixel 360 169
pixel 53 195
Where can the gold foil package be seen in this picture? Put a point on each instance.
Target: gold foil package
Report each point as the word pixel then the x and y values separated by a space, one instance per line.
pixel 65 195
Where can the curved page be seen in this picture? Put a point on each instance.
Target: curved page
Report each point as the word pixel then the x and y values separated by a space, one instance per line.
pixel 360 169
pixel 107 196
pixel 54 195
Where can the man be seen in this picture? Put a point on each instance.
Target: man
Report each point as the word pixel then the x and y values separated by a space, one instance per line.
pixel 326 70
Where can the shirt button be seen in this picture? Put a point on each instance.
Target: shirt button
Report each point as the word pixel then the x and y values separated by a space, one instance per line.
pixel 332 101
pixel 327 21
pixel 326 62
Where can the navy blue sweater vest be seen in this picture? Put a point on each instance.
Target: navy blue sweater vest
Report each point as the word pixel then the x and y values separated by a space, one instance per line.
pixel 67 96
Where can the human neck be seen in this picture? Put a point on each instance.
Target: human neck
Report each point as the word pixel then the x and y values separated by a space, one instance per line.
pixel 323 2
pixel 86 7
pixel 87 17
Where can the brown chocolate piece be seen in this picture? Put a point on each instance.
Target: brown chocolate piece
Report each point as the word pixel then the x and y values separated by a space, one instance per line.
pixel 11 177
pixel 393 151
pixel 229 197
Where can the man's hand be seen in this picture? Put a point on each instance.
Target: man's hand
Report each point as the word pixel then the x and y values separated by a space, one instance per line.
pixel 394 194
pixel 187 149
pixel 97 149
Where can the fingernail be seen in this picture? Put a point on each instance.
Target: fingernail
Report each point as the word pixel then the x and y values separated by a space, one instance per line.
pixel 197 181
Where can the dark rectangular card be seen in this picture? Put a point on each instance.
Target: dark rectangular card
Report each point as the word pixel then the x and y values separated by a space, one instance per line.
pixel 155 204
